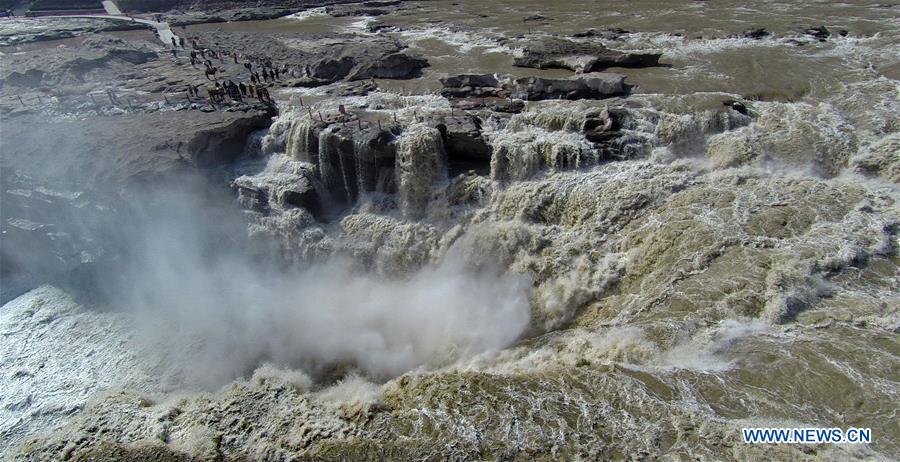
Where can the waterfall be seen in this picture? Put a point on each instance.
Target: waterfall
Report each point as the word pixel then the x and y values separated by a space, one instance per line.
pixel 519 155
pixel 337 167
pixel 366 165
pixel 421 163
pixel 303 141
pixel 347 169
pixel 329 162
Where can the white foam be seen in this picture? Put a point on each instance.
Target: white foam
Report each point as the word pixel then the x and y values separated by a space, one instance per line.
pixel 55 355
pixel 463 40
pixel 306 14
pixel 708 350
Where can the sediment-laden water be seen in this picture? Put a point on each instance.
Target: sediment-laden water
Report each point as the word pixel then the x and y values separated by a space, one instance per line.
pixel 636 277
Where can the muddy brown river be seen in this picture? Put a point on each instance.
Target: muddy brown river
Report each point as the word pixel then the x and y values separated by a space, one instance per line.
pixel 710 269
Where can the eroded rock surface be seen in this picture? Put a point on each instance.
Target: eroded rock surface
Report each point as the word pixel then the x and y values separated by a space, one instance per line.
pixel 557 52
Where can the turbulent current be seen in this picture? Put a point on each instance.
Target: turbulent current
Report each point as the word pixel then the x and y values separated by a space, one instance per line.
pixel 636 277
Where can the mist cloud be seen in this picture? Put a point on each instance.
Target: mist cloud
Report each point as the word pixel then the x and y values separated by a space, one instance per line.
pixel 215 308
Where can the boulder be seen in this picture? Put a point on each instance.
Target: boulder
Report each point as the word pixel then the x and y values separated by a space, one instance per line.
pixel 463 140
pixel 560 53
pixel 755 34
pixel 467 85
pixel 593 86
pixel 252 197
pixel 609 33
pixel 388 66
pixel 362 61
pixel 378 26
pixel 820 33
pixel 737 106
pixel 485 88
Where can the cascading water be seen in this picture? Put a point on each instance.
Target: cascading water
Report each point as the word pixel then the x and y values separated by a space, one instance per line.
pixel 303 141
pixel 366 163
pixel 636 277
pixel 421 165
pixel 332 167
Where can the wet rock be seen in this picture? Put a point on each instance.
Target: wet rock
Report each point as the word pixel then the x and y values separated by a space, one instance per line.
pixel 821 33
pixel 593 86
pixel 358 61
pixel 471 80
pixel 585 34
pixel 389 66
pixel 467 85
pixel 350 157
pixel 483 89
pixel 306 199
pixel 378 26
pixel 328 57
pixel 463 140
pixel 504 105
pixel 252 197
pixel 534 17
pixel 560 53
pixel 755 34
pixel 609 33
pixel 737 106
